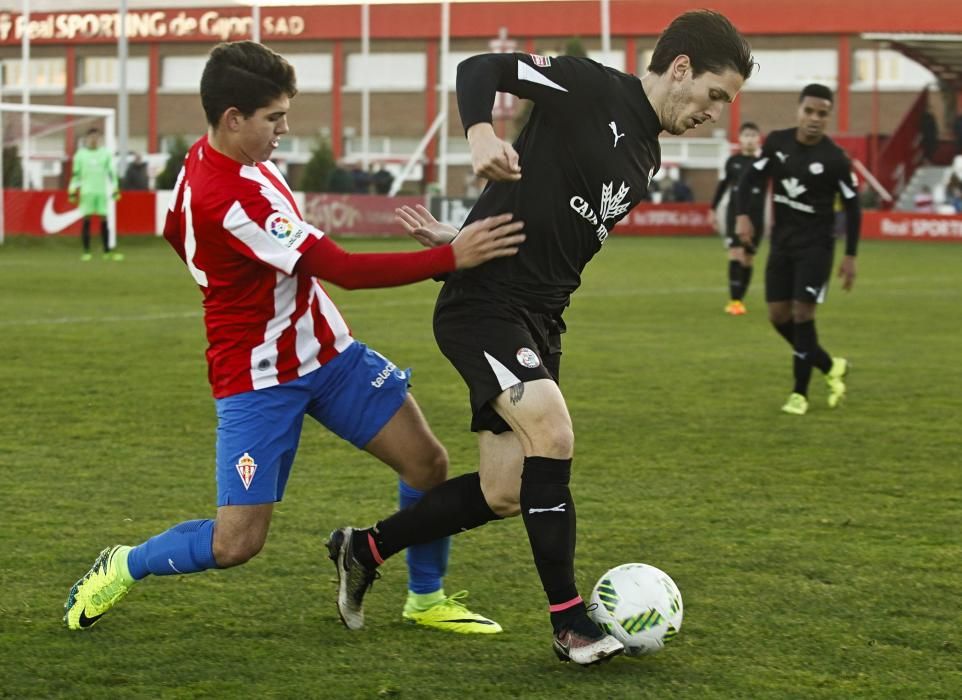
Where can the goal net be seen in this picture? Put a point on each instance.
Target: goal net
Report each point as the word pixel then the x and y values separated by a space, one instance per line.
pixel 39 142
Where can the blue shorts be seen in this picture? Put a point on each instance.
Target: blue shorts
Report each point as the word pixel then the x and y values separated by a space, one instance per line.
pixel 354 396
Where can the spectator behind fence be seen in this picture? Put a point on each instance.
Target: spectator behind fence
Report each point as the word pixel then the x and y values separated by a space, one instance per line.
pixel 953 190
pixel 924 202
pixel 957 128
pixel 135 177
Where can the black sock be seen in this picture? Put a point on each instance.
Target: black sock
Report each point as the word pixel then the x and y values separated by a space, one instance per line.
pixel 746 278
pixel 805 344
pixel 735 290
pixel 548 512
pixel 820 359
pixel 787 331
pixel 455 506
pixel 85 234
pixel 105 234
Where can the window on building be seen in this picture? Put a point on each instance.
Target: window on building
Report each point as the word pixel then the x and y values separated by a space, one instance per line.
pixel 313 71
pixel 790 70
pixel 102 74
pixel 181 73
pixel 895 71
pixel 387 72
pixel 46 74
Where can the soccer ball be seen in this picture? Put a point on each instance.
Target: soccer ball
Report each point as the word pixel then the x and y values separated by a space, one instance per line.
pixel 639 605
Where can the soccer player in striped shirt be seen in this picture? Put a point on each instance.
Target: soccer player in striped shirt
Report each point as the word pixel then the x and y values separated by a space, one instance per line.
pixel 279 349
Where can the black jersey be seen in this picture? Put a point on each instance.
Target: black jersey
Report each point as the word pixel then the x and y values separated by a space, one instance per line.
pixel 587 156
pixel 805 180
pixel 735 167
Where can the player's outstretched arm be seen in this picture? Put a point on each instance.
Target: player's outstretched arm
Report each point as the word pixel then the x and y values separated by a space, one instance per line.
pixel 483 240
pixel 421 225
pixel 486 239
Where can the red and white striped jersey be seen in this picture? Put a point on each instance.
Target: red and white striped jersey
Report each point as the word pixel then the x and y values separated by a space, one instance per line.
pixel 240 233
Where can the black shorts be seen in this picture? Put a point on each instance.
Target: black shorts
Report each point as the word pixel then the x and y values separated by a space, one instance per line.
pixel 733 241
pixel 494 346
pixel 798 274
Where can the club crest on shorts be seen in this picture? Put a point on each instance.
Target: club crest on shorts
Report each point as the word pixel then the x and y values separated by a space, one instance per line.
pixel 528 358
pixel 245 469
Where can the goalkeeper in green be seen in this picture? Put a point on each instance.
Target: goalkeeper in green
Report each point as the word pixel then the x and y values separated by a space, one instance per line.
pixel 94 179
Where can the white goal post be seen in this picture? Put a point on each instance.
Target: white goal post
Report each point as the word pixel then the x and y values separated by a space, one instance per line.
pixel 107 114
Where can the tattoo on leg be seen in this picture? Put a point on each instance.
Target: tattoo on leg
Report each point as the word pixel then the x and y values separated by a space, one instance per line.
pixel 516 392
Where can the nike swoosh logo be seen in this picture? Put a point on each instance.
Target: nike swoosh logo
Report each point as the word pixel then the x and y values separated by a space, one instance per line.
pixel 53 221
pixel 87 621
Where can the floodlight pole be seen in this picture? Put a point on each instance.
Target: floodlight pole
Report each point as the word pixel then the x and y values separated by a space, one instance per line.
pixel 443 140
pixel 123 114
pixel 606 28
pixel 365 85
pixel 256 22
pixel 25 93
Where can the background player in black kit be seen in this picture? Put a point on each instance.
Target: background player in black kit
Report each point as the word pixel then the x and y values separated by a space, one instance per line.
pixel 740 256
pixel 586 156
pixel 807 169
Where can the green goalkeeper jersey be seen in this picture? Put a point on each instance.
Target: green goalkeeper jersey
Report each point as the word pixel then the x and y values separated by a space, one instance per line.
pixel 93 172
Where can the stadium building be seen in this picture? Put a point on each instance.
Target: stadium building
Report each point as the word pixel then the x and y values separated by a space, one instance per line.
pixel 849 46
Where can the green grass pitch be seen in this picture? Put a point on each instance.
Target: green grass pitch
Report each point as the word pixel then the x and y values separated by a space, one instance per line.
pixel 819 557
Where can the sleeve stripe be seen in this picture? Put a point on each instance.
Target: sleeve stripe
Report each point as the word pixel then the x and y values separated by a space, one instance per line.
pixel 526 72
pixel 263 245
pixel 847 191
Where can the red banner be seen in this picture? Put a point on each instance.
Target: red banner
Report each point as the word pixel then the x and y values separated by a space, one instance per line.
pixel 908 226
pixel 47 212
pixel 356 214
pixel 682 219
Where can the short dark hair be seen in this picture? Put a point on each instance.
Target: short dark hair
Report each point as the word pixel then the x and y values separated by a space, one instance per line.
pixel 748 125
pixel 92 131
pixel 822 92
pixel 708 39
pixel 245 75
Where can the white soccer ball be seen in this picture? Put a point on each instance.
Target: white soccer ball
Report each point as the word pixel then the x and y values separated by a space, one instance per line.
pixel 639 605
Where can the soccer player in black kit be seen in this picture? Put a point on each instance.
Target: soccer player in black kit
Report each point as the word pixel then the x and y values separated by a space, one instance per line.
pixel 740 256
pixel 807 169
pixel 586 156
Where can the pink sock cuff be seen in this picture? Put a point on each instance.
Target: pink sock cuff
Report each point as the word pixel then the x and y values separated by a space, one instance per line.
pixel 564 606
pixel 374 553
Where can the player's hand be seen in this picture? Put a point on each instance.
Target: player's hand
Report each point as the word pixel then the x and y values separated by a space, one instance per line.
pixel 482 240
pixel 492 158
pixel 846 271
pixel 421 225
pixel 116 195
pixel 72 197
pixel 712 219
pixel 744 229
